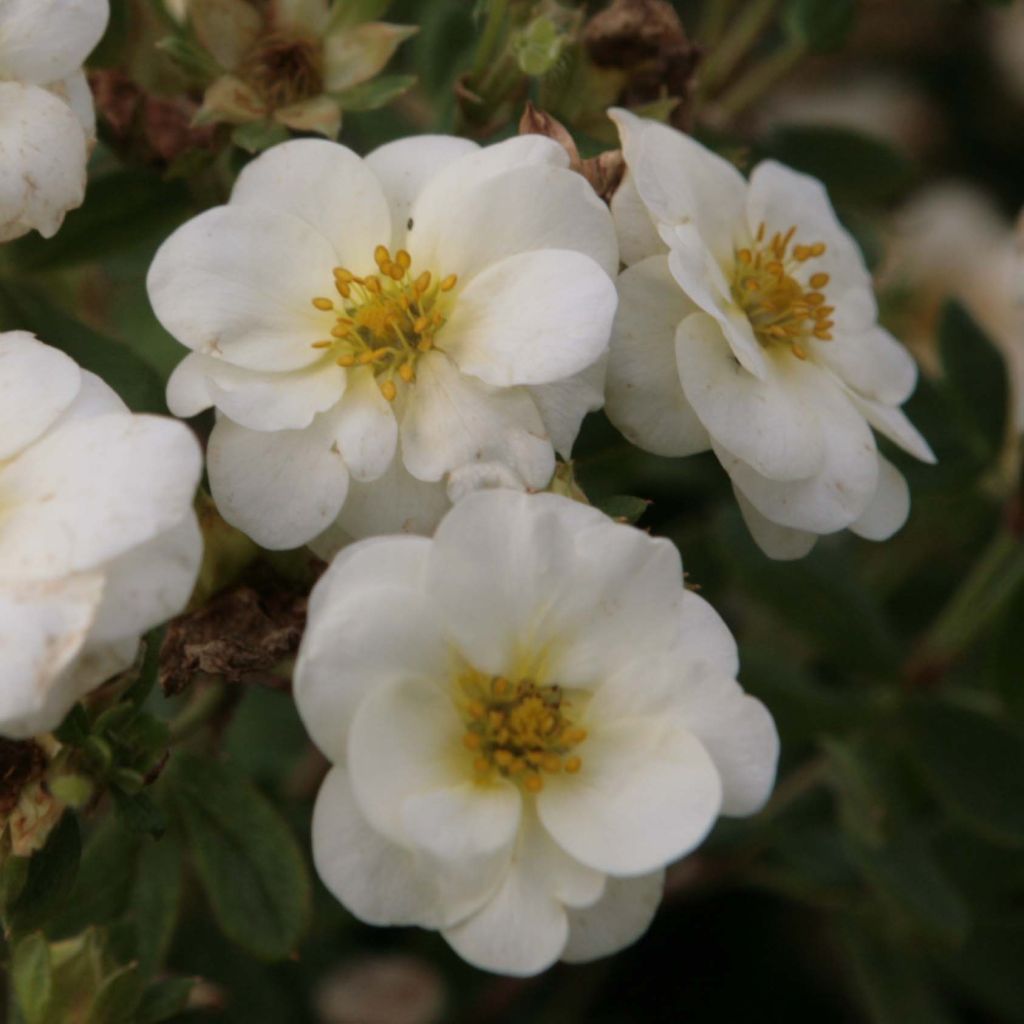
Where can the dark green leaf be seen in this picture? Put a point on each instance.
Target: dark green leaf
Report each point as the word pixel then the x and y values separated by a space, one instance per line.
pixel 259 135
pixel 376 93
pixel 163 1000
pixel 32 974
pixel 156 900
pixel 251 867
pixel 140 813
pixel 976 378
pixel 51 876
pixel 623 507
pixel 973 763
pixel 75 727
pixel 117 997
pixel 820 25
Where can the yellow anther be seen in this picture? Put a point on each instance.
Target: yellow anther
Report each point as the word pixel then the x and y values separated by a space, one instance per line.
pixel 324 304
pixel 802 252
pixel 421 324
pixel 552 763
pixel 403 259
pixel 814 299
pixel 574 736
pixel 449 282
pixel 329 343
pixel 372 284
pixel 407 373
pixel 381 256
pixel 573 765
pixel 533 783
pixel 481 765
pixel 503 757
pixel 343 289
pixel 471 741
pixel 799 352
pixel 388 390
pixel 343 275
pixel 517 767
pixel 500 686
pixel 395 272
pixel 818 280
pixel 495 719
pixel 340 331
pixel 424 345
pixel 823 334
pixel 346 360
pixel 752 284
pixel 760 232
pixel 422 282
pixel 775 267
pixel 818 249
pixel 744 256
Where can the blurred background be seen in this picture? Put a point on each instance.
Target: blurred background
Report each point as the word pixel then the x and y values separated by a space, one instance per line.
pixel 884 883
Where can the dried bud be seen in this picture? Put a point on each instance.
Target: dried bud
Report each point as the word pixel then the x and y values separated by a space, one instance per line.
pixel 28 809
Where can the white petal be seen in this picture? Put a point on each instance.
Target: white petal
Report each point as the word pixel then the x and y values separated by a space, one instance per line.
pixel 526 209
pixel 451 419
pixel 282 488
pixel 367 428
pixel 840 491
pixel 480 476
pixel 327 186
pixel 638 237
pixel 739 734
pixel 533 318
pixel 766 422
pixel 37 383
pixel 564 404
pixel 705 639
pixel 872 363
pixel 647 793
pixel 42 161
pixel 75 92
pixel 146 586
pixel 645 397
pixel 617 920
pixel 94 398
pixel 42 628
pixel 779 542
pixel 239 282
pixel 893 423
pixel 393 503
pixel 405 166
pixel 681 182
pixel 255 399
pixel 889 507
pixel 377 880
pixel 43 40
pixel 93 490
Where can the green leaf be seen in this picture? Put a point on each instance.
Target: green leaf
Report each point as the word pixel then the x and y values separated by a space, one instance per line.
pixel 163 999
pixel 623 507
pixel 117 997
pixel 251 868
pixel 25 308
pixel 976 378
pixel 32 975
pixel 74 730
pixel 376 93
pixel 973 764
pixel 354 12
pixel 156 900
pixel 140 813
pixel 820 25
pixel 259 135
pixel 51 877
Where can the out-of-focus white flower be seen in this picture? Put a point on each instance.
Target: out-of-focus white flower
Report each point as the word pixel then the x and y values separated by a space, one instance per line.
pixel 747 324
pixel 952 241
pixel 529 717
pixel 47 122
pixel 98 540
pixel 389 321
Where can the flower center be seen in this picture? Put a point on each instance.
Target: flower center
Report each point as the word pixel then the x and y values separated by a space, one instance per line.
pixel 386 320
pixel 781 311
pixel 519 730
pixel 284 69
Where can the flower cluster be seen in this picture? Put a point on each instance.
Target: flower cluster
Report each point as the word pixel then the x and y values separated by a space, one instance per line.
pixel 98 540
pixel 47 123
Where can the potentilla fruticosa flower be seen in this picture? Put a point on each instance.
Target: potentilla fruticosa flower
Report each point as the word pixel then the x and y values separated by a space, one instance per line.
pixel 47 121
pixel 529 717
pixel 367 327
pixel 98 539
pixel 747 324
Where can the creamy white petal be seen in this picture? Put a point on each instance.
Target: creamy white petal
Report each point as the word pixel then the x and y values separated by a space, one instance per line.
pixel 376 879
pixel 765 422
pixel 537 206
pixel 451 419
pixel 779 542
pixel 282 488
pixel 37 383
pixel 146 586
pixel 645 398
pixel 75 91
pixel 239 283
pixel 42 161
pixel 44 40
pixel 42 628
pixel 330 188
pixel 647 793
pixel 479 476
pixel 405 166
pixel 638 237
pixel 681 182
pixel 532 318
pixel 259 400
pixel 93 490
pixel 890 506
pixel 367 430
pixel 893 423
pixel 564 404
pixel 617 920
pixel 872 363
pixel 94 398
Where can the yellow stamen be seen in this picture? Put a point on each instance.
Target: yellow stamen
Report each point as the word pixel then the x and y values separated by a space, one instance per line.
pixel 449 282
pixel 323 304
pixel 388 390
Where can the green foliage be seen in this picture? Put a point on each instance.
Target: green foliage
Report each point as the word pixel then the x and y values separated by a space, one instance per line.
pixel 820 25
pixel 623 507
pixel 51 875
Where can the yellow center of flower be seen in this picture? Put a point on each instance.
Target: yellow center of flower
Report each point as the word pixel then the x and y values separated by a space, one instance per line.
pixel 386 320
pixel 780 309
pixel 518 730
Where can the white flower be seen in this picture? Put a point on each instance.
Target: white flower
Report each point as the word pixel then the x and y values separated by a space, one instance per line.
pixel 47 122
pixel 98 540
pixel 388 321
pixel 529 718
pixel 747 324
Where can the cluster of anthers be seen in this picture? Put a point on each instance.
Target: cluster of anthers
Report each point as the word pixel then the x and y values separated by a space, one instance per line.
pixel 520 730
pixel 386 320
pixel 779 308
